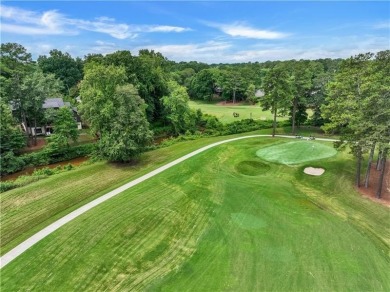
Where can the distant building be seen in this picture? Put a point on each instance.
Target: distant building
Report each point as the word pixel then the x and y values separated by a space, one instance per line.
pixel 51 103
pixel 259 93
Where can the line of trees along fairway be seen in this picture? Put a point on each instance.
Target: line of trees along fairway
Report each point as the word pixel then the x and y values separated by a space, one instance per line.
pixel 115 112
pixel 358 106
pixel 239 82
pixel 353 94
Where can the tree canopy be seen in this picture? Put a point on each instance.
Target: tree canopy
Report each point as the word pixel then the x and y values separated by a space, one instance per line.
pixel 115 112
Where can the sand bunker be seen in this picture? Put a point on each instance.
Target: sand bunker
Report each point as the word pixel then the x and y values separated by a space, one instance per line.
pixel 314 171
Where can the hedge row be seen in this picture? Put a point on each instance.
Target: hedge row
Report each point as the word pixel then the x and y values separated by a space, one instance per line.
pixel 11 163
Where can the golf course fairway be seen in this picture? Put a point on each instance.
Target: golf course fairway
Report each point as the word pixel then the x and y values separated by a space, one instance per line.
pixel 225 219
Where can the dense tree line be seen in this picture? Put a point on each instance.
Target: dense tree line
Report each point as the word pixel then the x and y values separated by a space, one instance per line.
pixel 358 107
pixel 125 97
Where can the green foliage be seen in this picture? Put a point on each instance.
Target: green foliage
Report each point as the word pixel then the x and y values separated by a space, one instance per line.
pixel 233 85
pixel 65 124
pixel 358 104
pixel 129 129
pixel 115 112
pixel 9 163
pixel 277 92
pixel 250 94
pixel 38 174
pixel 202 85
pixel 11 136
pixel 177 110
pixel 97 89
pixel 64 67
pixel 147 73
pixel 221 219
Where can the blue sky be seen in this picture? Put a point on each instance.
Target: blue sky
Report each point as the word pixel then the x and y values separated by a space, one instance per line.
pixel 205 31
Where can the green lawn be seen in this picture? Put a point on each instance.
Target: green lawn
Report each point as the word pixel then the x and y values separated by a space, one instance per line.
pixel 223 220
pixel 296 152
pixel 225 113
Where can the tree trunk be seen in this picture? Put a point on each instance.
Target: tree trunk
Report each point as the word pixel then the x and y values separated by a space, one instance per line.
pixel 380 183
pixel 35 132
pixel 378 162
pixel 359 166
pixel 294 111
pixel 369 165
pixel 234 95
pixel 274 123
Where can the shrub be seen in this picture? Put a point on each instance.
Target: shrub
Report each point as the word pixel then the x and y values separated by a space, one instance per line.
pixel 9 163
pixel 68 167
pixel 5 186
pixel 43 172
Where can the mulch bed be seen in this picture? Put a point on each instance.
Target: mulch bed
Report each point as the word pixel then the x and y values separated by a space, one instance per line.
pixel 370 192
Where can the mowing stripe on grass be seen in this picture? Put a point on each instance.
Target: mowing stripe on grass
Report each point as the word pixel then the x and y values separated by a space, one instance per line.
pixel 18 250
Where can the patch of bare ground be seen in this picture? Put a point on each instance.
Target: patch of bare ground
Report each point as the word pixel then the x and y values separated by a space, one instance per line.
pixel 370 192
pixel 41 142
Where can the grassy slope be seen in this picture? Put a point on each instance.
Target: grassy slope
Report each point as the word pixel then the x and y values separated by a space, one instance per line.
pixel 205 226
pixel 225 113
pixel 28 209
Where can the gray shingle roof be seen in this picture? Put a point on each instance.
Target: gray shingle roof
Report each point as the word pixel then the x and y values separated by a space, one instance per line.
pixel 54 103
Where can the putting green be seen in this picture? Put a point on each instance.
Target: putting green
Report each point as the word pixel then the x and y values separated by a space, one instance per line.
pixel 296 152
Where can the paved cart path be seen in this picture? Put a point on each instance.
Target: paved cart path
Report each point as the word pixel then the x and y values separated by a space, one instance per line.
pixel 18 250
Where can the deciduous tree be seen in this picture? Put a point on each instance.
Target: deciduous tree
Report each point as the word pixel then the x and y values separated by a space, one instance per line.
pixel 64 67
pixel 177 110
pixel 115 112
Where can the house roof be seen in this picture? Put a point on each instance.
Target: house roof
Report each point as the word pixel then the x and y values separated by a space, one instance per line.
pixel 55 103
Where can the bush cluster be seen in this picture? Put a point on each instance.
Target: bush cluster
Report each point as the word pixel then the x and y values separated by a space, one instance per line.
pixel 213 127
pixel 11 163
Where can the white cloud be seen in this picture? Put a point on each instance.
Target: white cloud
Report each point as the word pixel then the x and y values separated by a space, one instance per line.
pixel 38 49
pixel 239 29
pixel 382 25
pixel 210 51
pixel 229 52
pixel 20 21
pixel 116 30
pixel 102 47
pixel 163 28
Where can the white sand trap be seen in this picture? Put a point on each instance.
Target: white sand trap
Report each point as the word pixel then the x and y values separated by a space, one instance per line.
pixel 314 171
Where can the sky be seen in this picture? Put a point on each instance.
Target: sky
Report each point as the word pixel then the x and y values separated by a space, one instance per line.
pixel 203 31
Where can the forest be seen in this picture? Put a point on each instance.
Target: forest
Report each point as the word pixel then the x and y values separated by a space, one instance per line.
pixel 127 100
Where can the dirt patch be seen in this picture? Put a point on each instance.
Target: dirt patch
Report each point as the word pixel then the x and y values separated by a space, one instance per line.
pixel 370 192
pixel 314 171
pixel 41 142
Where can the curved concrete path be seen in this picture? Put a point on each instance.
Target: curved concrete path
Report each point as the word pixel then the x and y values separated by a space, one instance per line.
pixel 18 250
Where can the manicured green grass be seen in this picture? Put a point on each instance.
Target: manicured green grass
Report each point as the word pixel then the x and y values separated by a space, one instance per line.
pixel 296 152
pixel 225 112
pixel 216 223
pixel 28 209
